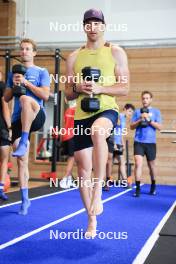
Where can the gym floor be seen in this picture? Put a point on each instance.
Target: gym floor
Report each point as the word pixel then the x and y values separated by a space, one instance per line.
pixel 144 228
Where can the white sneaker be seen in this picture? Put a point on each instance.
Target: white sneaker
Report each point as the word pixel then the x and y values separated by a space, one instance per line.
pixel 67 182
pixel 46 154
pixel 64 183
pixel 70 181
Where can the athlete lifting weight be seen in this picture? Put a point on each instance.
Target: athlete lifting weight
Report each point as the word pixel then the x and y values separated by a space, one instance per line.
pixel 91 150
pixel 32 89
pixel 146 121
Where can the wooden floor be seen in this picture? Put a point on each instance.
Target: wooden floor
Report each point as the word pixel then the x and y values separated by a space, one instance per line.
pixel 31 185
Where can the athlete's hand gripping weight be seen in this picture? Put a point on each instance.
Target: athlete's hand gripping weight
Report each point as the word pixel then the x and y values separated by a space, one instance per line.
pixel 19 89
pixel 90 104
pixel 145 121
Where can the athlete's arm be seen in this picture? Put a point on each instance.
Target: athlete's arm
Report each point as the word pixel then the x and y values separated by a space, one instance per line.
pixel 156 125
pixel 121 87
pixel 6 112
pixel 135 124
pixel 83 87
pixel 8 94
pixel 41 93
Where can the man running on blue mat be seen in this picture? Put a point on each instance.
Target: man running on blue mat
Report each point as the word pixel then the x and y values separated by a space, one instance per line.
pixel 28 113
pixel 146 121
pixel 110 61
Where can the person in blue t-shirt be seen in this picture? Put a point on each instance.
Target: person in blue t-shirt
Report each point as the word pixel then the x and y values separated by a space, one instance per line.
pixel 146 121
pixel 28 113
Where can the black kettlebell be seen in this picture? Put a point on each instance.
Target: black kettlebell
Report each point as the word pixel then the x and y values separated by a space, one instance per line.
pixel 90 104
pixel 145 122
pixel 19 89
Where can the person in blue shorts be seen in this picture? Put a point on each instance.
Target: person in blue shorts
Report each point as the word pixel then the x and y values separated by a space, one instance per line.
pixel 146 121
pixel 28 113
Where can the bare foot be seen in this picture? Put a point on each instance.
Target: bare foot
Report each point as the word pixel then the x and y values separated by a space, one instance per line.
pixel 92 226
pixel 96 206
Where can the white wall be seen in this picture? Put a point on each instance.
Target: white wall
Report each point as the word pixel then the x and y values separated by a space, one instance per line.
pixel 145 19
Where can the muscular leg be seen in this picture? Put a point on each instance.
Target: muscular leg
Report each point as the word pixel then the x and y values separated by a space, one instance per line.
pixel 101 129
pixel 70 163
pixel 109 166
pixel 83 160
pixel 121 159
pixel 23 171
pixel 138 167
pixel 66 181
pixel 4 157
pixel 138 173
pixel 108 171
pixel 29 110
pixel 152 171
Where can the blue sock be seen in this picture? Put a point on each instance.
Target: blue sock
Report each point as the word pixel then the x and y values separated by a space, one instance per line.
pixel 1 187
pixel 24 137
pixel 3 196
pixel 25 201
pixel 22 147
pixel 24 194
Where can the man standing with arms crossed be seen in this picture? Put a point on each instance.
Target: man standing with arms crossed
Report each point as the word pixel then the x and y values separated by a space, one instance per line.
pixel 91 150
